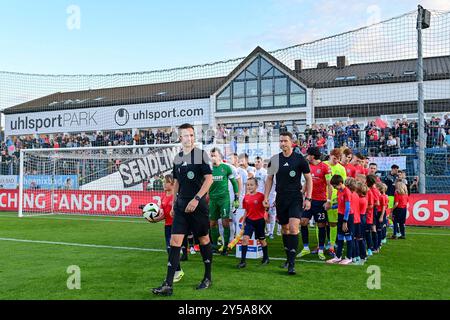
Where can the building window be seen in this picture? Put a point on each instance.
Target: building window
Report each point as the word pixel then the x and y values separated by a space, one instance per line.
pixel 261 86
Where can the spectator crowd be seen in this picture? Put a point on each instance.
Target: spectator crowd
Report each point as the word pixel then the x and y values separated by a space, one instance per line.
pixel 376 138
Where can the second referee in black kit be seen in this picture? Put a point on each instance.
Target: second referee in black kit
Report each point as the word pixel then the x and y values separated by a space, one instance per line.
pixel 193 178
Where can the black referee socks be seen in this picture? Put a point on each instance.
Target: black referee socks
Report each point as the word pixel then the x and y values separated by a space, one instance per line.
pixel 206 252
pixel 292 246
pixel 172 265
pixel 286 245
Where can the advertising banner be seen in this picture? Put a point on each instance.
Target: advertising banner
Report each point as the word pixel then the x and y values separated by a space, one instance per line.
pixel 144 115
pixel 428 210
pixel 48 182
pixel 83 202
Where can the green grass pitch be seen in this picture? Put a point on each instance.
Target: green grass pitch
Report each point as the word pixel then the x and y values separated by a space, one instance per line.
pixel 35 253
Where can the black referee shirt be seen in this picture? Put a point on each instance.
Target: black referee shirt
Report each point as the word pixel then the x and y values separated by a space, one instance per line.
pixel 288 172
pixel 190 170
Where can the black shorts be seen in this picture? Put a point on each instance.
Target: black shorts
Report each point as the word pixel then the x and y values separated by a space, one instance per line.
pixel 288 207
pixel 350 225
pixel 358 230
pixel 376 220
pixel 257 226
pixel 317 211
pixel 197 221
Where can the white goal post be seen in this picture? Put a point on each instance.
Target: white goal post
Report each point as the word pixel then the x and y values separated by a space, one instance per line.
pixel 112 180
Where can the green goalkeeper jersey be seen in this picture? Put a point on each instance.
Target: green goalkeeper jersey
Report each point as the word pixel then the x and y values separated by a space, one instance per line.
pixel 337 170
pixel 219 189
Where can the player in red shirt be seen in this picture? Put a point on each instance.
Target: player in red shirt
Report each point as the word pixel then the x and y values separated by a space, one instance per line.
pixel 347 156
pixel 372 209
pixel 254 221
pixel 345 221
pixel 166 214
pixel 399 209
pixel 361 190
pixel 382 212
pixel 359 164
pixel 321 201
pixel 351 184
pixel 373 169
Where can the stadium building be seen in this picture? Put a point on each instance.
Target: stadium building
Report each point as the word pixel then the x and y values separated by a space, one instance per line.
pixel 259 89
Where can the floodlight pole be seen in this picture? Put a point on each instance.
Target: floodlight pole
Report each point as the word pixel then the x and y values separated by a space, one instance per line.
pixel 420 103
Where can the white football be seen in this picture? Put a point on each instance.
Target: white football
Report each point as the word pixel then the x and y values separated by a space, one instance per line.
pixel 150 211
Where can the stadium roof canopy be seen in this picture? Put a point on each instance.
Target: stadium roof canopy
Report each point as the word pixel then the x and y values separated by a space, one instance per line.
pixel 324 76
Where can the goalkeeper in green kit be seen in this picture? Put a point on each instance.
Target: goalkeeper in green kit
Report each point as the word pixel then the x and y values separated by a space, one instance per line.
pixel 219 198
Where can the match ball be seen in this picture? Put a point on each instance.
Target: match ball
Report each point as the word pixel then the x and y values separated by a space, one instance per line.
pixel 150 211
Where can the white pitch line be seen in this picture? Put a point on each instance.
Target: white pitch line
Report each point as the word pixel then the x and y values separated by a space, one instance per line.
pixel 81 245
pixel 118 247
pixel 77 219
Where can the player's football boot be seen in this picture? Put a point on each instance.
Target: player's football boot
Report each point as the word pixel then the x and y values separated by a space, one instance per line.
pixel 346 261
pixel 284 265
pixel 335 260
pixel 265 261
pixel 384 241
pixel 369 252
pixel 304 252
pixel 332 253
pixel 321 255
pixel 178 275
pixel 291 269
pixel 241 265
pixel 163 290
pixel 192 250
pixel 205 284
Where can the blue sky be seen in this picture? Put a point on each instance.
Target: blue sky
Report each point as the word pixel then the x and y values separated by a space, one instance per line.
pixel 142 35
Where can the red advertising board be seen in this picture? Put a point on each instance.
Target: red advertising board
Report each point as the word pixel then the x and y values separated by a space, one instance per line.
pixel 423 210
pixel 84 202
pixel 429 210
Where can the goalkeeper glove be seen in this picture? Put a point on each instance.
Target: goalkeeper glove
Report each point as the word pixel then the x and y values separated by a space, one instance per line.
pixel 236 202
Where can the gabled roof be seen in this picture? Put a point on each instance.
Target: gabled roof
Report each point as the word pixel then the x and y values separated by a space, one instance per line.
pixel 251 57
pixel 159 92
pixel 435 68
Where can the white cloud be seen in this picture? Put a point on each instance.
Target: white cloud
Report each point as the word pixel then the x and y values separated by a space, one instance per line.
pixel 443 5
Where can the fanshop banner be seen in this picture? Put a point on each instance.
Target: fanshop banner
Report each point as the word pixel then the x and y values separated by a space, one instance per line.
pixel 153 164
pixel 423 210
pixel 84 202
pixel 144 115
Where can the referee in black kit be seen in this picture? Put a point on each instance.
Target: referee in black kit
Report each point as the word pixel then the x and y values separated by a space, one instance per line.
pixel 193 178
pixel 288 167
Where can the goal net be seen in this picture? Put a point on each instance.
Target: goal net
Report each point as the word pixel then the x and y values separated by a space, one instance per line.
pixel 93 181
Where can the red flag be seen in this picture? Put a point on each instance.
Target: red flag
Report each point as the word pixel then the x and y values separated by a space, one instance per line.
pixel 381 123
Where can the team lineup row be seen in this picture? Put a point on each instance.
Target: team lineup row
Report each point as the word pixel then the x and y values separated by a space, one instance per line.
pixel 345 200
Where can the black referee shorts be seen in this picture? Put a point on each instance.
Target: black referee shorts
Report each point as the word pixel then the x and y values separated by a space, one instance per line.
pixel 197 221
pixel 289 206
